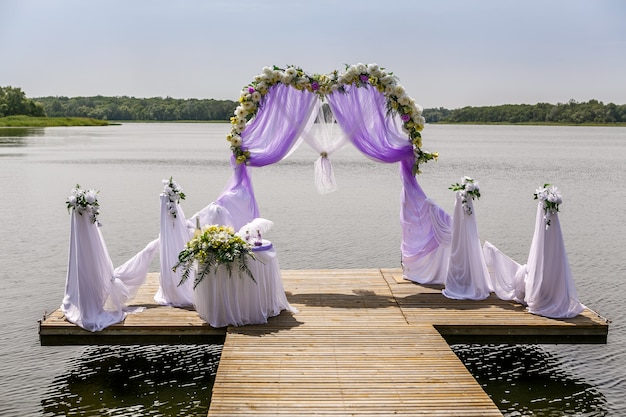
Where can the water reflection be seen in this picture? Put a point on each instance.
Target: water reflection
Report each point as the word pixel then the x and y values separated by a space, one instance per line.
pixel 136 380
pixel 16 136
pixel 527 381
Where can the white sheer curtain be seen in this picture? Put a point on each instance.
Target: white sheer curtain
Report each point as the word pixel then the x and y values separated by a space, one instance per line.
pixel 468 277
pixel 326 137
pixel 175 233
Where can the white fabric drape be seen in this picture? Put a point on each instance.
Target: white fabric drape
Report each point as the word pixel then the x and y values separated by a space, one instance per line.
pixel 95 292
pixel 175 233
pixel 545 283
pixel 507 276
pixel 550 289
pixel 89 276
pixel 326 137
pixel 236 300
pixel 132 274
pixel 431 267
pixel 468 277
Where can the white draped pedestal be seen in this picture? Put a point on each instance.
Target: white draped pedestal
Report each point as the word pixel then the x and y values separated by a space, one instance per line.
pixel 545 283
pixel 468 277
pixel 236 300
pixel 175 233
pixel 549 284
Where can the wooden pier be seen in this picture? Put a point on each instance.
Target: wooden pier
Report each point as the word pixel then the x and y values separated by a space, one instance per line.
pixel 365 342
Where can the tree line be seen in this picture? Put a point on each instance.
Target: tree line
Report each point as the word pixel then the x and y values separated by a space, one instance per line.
pixel 140 109
pixel 572 112
pixel 13 101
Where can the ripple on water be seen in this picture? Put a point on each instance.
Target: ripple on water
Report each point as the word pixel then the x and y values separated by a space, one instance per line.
pixel 528 381
pixel 136 380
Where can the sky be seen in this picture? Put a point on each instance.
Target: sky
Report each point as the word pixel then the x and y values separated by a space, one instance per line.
pixel 446 53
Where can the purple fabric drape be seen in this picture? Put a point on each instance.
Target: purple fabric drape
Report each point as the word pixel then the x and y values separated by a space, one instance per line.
pixel 279 122
pixel 362 114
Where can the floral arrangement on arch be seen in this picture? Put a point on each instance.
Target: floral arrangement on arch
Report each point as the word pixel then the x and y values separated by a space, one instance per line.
pixel 84 202
pixel 468 188
pixel 174 194
pixel 550 196
pixel 398 102
pixel 213 247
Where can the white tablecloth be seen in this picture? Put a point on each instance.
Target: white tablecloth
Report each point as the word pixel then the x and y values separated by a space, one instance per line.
pixel 236 300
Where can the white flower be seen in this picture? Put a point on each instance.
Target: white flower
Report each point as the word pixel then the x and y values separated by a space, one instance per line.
pixel 550 197
pixel 240 112
pixel 404 100
pixel 84 202
pixel 467 189
pixel 174 194
pixel 291 72
pixel 90 196
pixel 236 141
pixel 374 70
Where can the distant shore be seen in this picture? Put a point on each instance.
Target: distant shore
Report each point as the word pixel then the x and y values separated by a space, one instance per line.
pixel 27 121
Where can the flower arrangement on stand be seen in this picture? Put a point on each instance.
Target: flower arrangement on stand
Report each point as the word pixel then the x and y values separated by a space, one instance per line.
pixel 174 194
pixel 468 188
pixel 359 75
pixel 216 246
pixel 550 196
pixel 84 202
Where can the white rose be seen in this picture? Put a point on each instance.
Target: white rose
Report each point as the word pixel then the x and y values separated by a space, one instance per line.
pixel 72 200
pixel 404 100
pixel 91 197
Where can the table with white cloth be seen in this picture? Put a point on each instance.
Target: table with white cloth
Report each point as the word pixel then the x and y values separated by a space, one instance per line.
pixel 235 299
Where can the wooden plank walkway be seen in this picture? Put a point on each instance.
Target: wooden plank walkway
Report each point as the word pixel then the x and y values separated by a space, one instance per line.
pixel 365 342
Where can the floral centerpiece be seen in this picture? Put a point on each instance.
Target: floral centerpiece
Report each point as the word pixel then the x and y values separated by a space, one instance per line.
pixel 359 75
pixel 213 247
pixel 174 194
pixel 550 196
pixel 468 188
pixel 84 202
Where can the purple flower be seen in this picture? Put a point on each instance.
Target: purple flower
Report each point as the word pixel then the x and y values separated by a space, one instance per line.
pixel 250 90
pixel 315 85
pixel 406 118
pixel 363 78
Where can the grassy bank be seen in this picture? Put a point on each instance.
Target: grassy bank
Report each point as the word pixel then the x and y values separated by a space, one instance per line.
pixel 26 121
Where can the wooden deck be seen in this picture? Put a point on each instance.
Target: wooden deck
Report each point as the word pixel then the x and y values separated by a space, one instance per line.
pixel 365 342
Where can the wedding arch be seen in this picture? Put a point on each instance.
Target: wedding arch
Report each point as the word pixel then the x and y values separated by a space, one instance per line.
pixel 278 110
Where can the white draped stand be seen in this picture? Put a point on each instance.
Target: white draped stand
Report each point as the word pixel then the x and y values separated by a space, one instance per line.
pixel 545 283
pixel 468 277
pixel 95 292
pixel 222 299
pixel 175 233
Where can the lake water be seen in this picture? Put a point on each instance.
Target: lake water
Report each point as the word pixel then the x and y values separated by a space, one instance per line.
pixel 355 227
